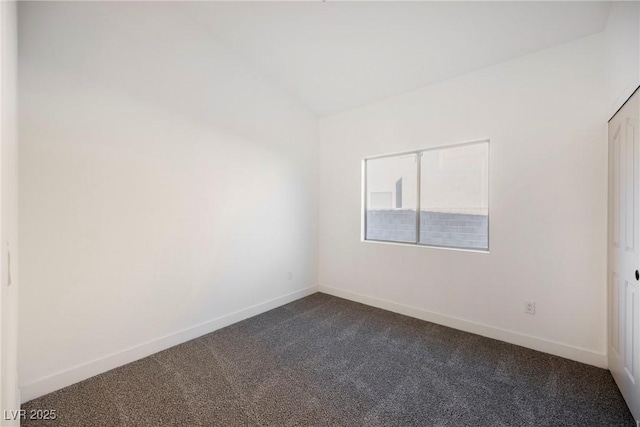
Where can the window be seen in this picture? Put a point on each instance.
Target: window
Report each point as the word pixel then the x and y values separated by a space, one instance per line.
pixel 432 197
pixel 392 189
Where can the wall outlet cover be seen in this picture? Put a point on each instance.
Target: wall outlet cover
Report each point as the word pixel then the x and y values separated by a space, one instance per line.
pixel 530 307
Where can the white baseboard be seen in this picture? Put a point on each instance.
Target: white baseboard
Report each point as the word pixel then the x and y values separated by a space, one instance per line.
pixel 79 373
pixel 546 346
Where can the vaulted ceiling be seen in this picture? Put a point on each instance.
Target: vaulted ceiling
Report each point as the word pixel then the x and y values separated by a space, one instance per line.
pixel 337 55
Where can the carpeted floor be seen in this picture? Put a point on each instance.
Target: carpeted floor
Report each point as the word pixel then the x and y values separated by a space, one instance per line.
pixel 323 360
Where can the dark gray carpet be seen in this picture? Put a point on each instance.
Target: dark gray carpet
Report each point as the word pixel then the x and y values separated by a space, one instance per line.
pixel 327 361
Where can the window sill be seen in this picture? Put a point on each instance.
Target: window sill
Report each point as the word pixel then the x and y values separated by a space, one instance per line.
pixel 385 242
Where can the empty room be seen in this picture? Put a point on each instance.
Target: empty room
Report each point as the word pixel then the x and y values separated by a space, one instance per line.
pixel 322 213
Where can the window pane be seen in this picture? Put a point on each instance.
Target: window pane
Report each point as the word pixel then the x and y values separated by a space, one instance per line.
pixel 391 198
pixel 454 197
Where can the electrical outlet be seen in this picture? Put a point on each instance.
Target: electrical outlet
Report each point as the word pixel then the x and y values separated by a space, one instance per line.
pixel 530 307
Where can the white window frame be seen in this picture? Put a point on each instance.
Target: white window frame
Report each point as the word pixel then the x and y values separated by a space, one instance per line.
pixel 418 153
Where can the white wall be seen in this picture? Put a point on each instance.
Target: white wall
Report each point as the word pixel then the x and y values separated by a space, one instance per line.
pixel 165 189
pixel 622 52
pixel 9 393
pixel 545 116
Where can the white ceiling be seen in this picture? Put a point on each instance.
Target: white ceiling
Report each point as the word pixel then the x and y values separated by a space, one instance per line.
pixel 337 55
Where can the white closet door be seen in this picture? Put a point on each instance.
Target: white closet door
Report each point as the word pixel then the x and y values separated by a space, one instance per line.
pixel 624 251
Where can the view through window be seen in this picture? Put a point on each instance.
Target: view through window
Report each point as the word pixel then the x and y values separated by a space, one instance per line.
pixel 433 197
